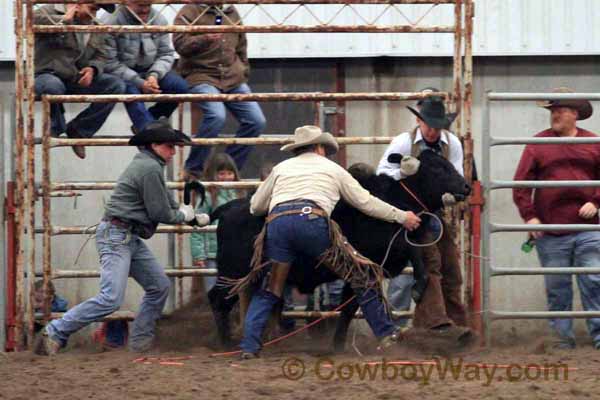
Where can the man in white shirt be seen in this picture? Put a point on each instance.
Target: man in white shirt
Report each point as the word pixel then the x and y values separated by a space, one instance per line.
pixel 441 308
pixel 299 196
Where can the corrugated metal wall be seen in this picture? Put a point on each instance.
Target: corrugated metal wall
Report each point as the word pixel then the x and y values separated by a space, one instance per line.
pixel 502 27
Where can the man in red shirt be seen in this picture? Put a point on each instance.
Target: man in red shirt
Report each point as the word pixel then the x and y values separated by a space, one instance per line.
pixel 564 206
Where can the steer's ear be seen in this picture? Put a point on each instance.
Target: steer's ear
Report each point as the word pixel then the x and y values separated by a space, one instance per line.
pixel 395 158
pixel 409 165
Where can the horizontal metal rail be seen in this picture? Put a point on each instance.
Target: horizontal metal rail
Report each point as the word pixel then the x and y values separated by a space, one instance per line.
pixel 541 184
pixel 91 273
pixel 242 29
pixel 498 141
pixel 297 96
pixel 87 230
pixel 543 314
pixel 129 315
pixel 543 227
pixel 543 271
pixel 261 2
pixel 170 271
pixel 501 96
pixel 67 186
pixel 124 141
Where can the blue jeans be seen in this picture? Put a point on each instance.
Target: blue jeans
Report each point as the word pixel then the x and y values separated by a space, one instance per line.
pixel 288 237
pixel 90 120
pixel 574 250
pixel 399 295
pixel 121 254
pixel 248 113
pixel 141 116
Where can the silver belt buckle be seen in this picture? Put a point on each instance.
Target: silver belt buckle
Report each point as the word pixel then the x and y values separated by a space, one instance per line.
pixel 306 210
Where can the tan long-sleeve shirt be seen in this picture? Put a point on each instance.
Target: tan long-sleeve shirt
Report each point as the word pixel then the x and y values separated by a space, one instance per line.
pixel 310 176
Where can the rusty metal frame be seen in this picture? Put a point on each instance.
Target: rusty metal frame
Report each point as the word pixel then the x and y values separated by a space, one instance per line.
pixel 25 33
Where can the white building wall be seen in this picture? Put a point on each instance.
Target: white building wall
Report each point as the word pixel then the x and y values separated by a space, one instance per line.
pixel 502 27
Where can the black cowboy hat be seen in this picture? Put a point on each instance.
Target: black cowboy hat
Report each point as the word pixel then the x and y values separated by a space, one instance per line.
pixel 433 112
pixel 159 132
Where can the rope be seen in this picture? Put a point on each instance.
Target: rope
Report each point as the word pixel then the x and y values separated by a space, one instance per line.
pixel 294 333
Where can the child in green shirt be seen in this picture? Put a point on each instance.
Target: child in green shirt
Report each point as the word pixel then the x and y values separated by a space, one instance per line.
pixel 219 167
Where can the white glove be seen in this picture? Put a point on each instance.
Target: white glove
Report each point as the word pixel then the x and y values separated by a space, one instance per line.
pixel 448 199
pixel 187 211
pixel 202 219
pixel 409 165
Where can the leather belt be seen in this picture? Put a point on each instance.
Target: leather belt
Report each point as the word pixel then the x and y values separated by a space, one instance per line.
pixel 306 210
pixel 118 222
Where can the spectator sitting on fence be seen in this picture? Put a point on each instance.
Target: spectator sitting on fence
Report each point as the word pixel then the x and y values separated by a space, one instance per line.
pixel 220 167
pixel 216 63
pixel 441 309
pixel 139 202
pixel 143 61
pixel 569 205
pixel 73 63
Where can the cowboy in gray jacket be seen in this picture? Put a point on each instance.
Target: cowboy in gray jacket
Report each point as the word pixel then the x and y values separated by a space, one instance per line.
pixel 138 204
pixel 143 61
pixel 73 63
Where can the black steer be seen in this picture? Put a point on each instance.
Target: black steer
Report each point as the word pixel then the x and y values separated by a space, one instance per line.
pixel 237 230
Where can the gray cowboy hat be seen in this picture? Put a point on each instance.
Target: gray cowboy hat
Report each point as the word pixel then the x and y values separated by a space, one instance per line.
pixel 159 132
pixel 309 134
pixel 583 107
pixel 433 112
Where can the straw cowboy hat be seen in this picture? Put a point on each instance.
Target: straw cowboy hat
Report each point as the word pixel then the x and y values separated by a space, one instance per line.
pixel 433 112
pixel 309 134
pixel 159 132
pixel 583 107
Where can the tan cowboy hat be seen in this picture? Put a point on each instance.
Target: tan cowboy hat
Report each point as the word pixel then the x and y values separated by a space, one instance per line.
pixel 309 134
pixel 583 107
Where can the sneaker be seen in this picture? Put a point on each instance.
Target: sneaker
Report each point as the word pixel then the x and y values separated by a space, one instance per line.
pixel 44 345
pixel 78 150
pixel 248 356
pixel 565 344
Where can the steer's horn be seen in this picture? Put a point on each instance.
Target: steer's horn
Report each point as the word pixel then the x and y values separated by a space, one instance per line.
pixel 187 191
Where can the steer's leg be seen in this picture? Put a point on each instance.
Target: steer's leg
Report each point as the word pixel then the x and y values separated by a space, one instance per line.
pixel 221 307
pixel 346 316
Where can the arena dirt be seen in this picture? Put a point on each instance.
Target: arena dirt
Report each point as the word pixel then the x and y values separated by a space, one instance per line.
pixel 189 372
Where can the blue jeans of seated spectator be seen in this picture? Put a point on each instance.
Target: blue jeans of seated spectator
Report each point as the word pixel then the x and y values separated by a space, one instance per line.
pixel 122 254
pixel 90 120
pixel 141 116
pixel 288 237
pixel 399 296
pixel 574 250
pixel 248 114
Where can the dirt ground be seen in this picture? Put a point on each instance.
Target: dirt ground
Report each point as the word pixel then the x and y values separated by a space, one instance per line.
pixel 302 367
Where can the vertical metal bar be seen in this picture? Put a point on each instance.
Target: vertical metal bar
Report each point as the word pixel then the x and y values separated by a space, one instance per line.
pixel 180 166
pixel 3 267
pixel 467 136
pixel 20 184
pixel 11 277
pixel 457 65
pixel 47 223
pixel 475 293
pixel 486 240
pixel 31 193
pixel 340 116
